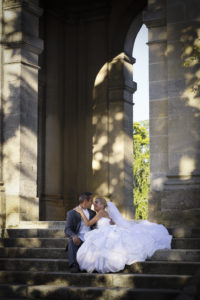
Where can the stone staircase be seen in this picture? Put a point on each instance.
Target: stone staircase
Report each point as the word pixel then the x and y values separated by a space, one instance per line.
pixel 33 265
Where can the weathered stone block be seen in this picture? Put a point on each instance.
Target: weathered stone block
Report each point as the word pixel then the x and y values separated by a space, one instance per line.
pixel 159 126
pixel 12 204
pixel 176 87
pixel 158 108
pixel 158 71
pixel 157 33
pixel 176 11
pixel 184 163
pixel 157 90
pixel 12 19
pixel 159 144
pixel 183 106
pixel 181 136
pixel 179 199
pixel 157 52
pixel 159 162
pixel 157 180
pixel 11 94
pixel 182 32
pixel 176 69
pixel 12 72
pixel 179 216
pixel 192 10
pixel 29 208
pixel 12 220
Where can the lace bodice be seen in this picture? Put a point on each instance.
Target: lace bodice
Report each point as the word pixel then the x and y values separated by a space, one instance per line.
pixel 103 222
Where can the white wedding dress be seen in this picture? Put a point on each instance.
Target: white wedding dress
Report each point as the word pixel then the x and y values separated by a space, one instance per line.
pixel 108 248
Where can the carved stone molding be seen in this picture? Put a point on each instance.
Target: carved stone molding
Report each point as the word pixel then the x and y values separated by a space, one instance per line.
pixel 23 40
pixel 30 6
pixel 154 19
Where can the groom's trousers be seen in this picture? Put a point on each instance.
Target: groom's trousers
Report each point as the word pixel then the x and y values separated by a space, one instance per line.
pixel 72 250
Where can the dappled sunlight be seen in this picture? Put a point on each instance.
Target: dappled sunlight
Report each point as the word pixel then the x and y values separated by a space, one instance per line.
pixel 110 136
pixel 101 76
pixel 157 183
pixel 170 49
pixel 187 165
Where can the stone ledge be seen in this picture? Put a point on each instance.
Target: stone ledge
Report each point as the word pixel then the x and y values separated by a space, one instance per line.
pixel 19 39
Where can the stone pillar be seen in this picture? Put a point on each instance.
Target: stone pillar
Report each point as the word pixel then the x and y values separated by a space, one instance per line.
pixel 113 138
pixel 174 113
pixel 121 89
pixel 183 179
pixel 2 189
pixel 155 20
pixel 20 107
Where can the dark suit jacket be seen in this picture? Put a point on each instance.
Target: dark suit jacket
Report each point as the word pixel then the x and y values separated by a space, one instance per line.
pixel 73 222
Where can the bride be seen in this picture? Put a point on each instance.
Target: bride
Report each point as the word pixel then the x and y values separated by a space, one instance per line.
pixel 117 242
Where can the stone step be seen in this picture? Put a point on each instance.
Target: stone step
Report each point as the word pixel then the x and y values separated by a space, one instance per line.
pixel 177 243
pixel 33 253
pixel 82 293
pixel 94 279
pixel 177 255
pixel 34 264
pixel 163 267
pixel 172 217
pixel 178 232
pixel 42 224
pixel 60 265
pixel 184 232
pixel 34 242
pixel 60 253
pixel 186 243
pixel 32 232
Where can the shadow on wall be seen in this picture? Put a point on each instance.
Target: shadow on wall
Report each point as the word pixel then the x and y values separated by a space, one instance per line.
pixel 19 123
pixel 179 204
pixel 184 106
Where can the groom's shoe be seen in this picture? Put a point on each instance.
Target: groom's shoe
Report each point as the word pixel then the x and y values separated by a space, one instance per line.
pixel 74 268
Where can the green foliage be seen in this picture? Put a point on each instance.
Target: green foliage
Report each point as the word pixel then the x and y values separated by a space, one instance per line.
pixel 195 56
pixel 141 169
pixel 192 60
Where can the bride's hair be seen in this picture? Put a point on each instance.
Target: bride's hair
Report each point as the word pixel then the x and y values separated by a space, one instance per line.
pixel 103 201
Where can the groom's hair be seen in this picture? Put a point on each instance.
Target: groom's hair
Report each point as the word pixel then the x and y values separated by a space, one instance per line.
pixel 83 196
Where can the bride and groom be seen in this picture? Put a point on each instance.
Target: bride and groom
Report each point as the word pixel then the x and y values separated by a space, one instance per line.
pixel 104 241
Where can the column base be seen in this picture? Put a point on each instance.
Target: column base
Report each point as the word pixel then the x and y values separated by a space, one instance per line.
pixel 20 208
pixel 174 208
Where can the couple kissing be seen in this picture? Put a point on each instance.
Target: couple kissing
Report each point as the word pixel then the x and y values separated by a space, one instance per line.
pixel 104 241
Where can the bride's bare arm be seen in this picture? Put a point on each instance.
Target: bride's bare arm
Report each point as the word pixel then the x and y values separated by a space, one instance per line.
pixel 111 221
pixel 87 222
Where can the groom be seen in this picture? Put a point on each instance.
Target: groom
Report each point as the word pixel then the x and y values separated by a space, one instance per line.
pixel 75 228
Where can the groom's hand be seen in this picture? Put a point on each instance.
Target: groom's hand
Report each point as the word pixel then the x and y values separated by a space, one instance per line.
pixel 76 240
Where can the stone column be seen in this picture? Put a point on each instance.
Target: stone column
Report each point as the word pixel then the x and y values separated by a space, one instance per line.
pixel 121 89
pixel 155 20
pixel 174 113
pixel 113 136
pixel 2 189
pixel 20 107
pixel 183 185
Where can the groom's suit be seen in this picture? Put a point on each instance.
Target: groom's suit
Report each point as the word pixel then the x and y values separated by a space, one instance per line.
pixel 72 227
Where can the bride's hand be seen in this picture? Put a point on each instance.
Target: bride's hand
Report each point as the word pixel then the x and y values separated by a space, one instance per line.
pixel 101 213
pixel 78 209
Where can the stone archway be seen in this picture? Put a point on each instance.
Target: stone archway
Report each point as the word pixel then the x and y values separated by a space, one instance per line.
pixel 86 132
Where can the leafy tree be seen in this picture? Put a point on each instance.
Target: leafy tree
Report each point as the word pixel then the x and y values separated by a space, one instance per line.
pixel 191 61
pixel 141 172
